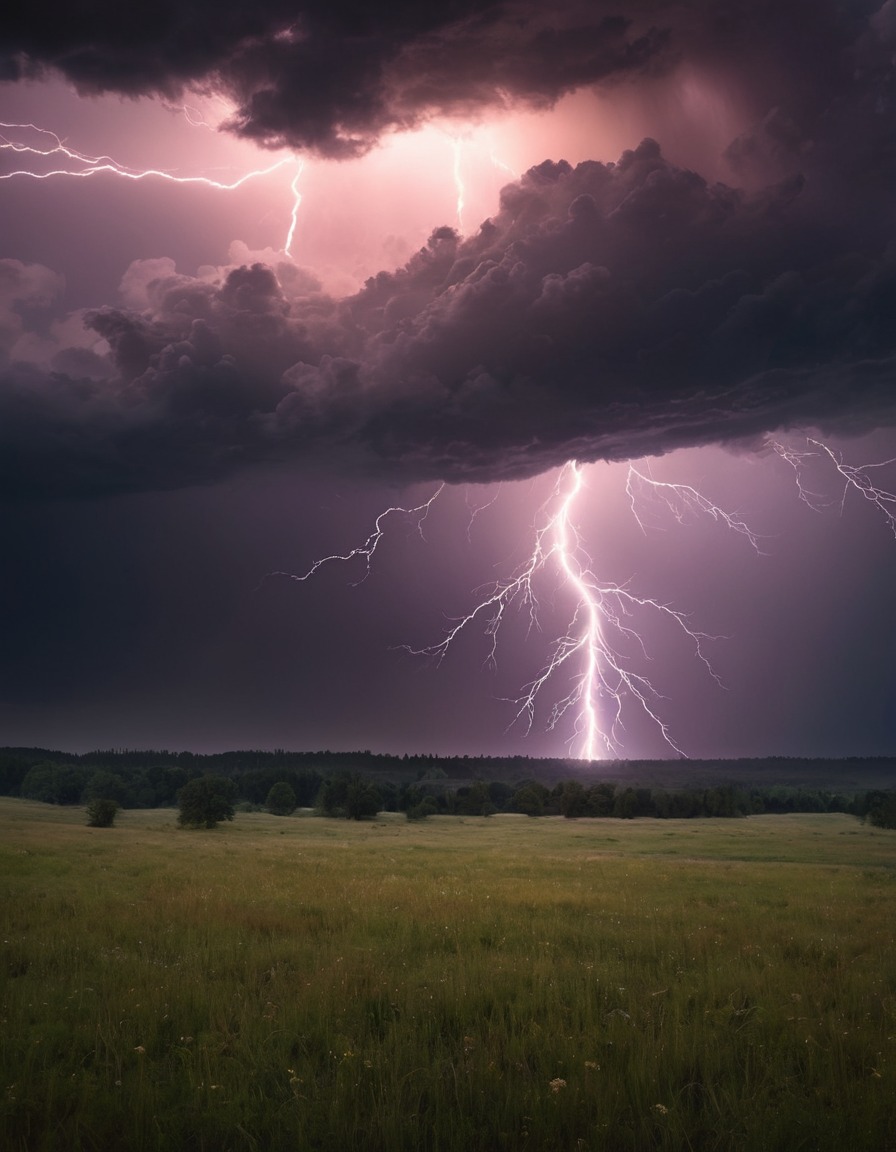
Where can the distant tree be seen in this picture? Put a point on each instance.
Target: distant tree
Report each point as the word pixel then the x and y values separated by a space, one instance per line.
pixel 572 798
pixel 104 785
pixel 166 780
pixel 331 798
pixel 363 800
pixel 882 809
pixel 625 806
pixel 500 793
pixel 101 813
pixel 205 802
pixel 281 800
pixel 528 801
pixel 350 796
pixel 601 798
pixel 472 800
pixel 54 783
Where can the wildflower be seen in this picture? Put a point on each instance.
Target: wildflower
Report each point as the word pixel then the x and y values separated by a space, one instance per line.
pixel 661 1108
pixel 593 1065
pixel 556 1085
pixel 140 1049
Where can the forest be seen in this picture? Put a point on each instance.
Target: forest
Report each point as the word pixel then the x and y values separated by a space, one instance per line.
pixel 359 785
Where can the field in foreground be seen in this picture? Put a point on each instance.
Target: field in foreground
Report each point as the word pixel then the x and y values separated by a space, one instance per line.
pixel 475 984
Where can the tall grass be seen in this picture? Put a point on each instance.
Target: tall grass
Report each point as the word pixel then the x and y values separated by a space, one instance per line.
pixel 457 985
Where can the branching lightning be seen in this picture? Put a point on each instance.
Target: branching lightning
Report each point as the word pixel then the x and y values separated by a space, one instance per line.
pixel 592 658
pixel 682 501
pixel 599 628
pixel 416 515
pixel 797 461
pixel 854 476
pixel 62 161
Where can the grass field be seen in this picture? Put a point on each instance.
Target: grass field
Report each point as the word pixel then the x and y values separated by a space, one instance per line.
pixel 476 985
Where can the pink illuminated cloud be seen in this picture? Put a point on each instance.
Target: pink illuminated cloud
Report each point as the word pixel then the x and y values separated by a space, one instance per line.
pixel 398 283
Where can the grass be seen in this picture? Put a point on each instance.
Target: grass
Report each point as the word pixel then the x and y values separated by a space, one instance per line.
pixel 474 984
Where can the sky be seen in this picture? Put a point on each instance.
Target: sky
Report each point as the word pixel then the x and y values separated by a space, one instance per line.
pixel 269 271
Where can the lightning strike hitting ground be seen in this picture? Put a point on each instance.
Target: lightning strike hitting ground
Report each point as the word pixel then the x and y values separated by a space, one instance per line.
pixel 854 476
pixel 592 657
pixel 602 683
pixel 70 162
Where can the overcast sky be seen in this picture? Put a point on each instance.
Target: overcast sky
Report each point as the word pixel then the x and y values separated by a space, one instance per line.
pixel 269 270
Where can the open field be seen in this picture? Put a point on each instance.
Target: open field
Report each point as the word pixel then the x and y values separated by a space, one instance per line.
pixel 478 984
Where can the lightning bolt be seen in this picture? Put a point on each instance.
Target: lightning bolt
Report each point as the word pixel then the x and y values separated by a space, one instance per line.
pixel 593 655
pixel 416 515
pixel 457 148
pixel 798 462
pixel 682 501
pixel 194 117
pixel 599 630
pixel 475 509
pixel 80 165
pixel 296 204
pixel 855 477
pixel 499 163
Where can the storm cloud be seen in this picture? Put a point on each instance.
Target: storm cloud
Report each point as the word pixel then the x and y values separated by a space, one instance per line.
pixel 333 76
pixel 606 311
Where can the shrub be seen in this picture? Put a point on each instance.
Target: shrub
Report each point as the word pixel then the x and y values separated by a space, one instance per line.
pixel 426 807
pixel 882 809
pixel 205 802
pixel 281 800
pixel 101 812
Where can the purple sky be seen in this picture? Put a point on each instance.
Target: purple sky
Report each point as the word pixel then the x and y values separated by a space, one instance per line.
pixel 605 233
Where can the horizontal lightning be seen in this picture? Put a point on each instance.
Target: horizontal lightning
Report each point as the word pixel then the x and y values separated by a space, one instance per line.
pixel 80 165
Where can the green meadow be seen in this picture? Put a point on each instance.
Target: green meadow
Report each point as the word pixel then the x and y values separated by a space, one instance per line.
pixel 453 984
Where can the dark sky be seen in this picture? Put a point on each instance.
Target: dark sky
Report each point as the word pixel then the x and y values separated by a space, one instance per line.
pixel 523 236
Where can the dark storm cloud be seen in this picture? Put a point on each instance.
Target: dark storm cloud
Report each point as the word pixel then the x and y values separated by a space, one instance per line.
pixel 606 311
pixel 334 75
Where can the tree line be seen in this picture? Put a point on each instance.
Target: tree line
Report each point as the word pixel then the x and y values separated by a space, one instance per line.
pixel 135 781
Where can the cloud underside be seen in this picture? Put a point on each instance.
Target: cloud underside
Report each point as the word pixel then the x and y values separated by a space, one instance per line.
pixel 333 76
pixel 606 311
